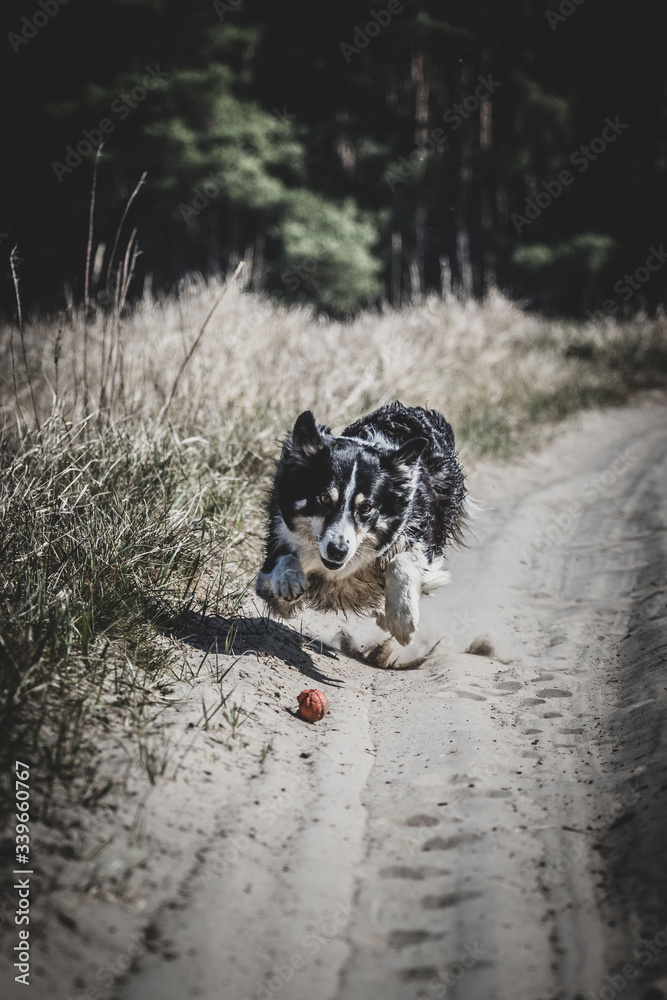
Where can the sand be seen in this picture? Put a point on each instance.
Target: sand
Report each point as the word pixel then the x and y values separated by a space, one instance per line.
pixel 483 820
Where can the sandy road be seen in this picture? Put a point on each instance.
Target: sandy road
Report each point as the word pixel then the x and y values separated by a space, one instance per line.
pixel 487 827
pixel 518 809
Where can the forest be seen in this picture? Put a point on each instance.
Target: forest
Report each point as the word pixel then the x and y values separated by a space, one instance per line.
pixel 349 153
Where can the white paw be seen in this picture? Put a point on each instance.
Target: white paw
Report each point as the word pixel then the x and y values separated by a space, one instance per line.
pixel 288 579
pixel 381 621
pixel 403 579
pixel 402 618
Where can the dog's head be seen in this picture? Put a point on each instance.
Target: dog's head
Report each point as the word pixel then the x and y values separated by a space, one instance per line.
pixel 345 496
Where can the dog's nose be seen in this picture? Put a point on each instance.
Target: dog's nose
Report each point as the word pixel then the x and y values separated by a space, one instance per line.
pixel 337 551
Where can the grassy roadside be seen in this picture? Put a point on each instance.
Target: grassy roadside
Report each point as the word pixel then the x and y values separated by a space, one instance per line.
pixel 109 538
pixel 134 452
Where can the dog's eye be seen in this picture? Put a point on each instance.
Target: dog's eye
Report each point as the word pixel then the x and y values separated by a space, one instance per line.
pixel 364 508
pixel 324 499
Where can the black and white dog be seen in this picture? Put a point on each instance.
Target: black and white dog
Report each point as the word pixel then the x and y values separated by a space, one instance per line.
pixel 359 522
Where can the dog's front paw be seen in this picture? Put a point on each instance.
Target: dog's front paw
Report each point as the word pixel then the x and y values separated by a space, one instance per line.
pixel 403 579
pixel 381 621
pixel 288 580
pixel 402 618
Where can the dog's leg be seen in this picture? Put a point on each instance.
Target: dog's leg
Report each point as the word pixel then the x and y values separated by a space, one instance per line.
pixel 381 621
pixel 403 579
pixel 283 586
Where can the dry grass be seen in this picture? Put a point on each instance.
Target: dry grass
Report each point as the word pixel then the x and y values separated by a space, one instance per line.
pixel 130 489
pixel 494 370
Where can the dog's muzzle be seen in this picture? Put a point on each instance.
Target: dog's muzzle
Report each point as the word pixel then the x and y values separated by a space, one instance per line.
pixel 337 553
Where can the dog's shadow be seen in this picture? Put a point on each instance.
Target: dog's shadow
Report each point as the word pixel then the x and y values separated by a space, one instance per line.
pixel 240 636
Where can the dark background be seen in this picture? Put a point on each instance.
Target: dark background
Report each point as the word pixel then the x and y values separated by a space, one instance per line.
pixel 297 144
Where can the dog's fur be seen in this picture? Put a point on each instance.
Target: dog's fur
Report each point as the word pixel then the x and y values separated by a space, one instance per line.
pixel 359 522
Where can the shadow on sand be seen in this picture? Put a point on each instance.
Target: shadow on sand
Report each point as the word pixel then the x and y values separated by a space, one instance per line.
pixel 240 636
pixel 264 636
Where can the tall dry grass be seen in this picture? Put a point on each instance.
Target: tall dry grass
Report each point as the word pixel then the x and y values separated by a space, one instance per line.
pixel 132 474
pixel 495 370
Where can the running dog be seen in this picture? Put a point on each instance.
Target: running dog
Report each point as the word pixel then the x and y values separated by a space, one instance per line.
pixel 360 521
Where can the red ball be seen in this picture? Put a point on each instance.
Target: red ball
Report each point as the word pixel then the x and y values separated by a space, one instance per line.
pixel 313 705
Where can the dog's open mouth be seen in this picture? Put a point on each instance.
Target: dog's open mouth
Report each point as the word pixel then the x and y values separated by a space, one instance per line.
pixel 331 565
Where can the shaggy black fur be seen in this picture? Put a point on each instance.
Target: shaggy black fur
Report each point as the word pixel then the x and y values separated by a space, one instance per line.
pixel 383 453
pixel 437 513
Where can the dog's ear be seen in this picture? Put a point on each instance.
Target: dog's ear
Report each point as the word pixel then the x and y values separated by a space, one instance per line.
pixel 400 463
pixel 306 440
